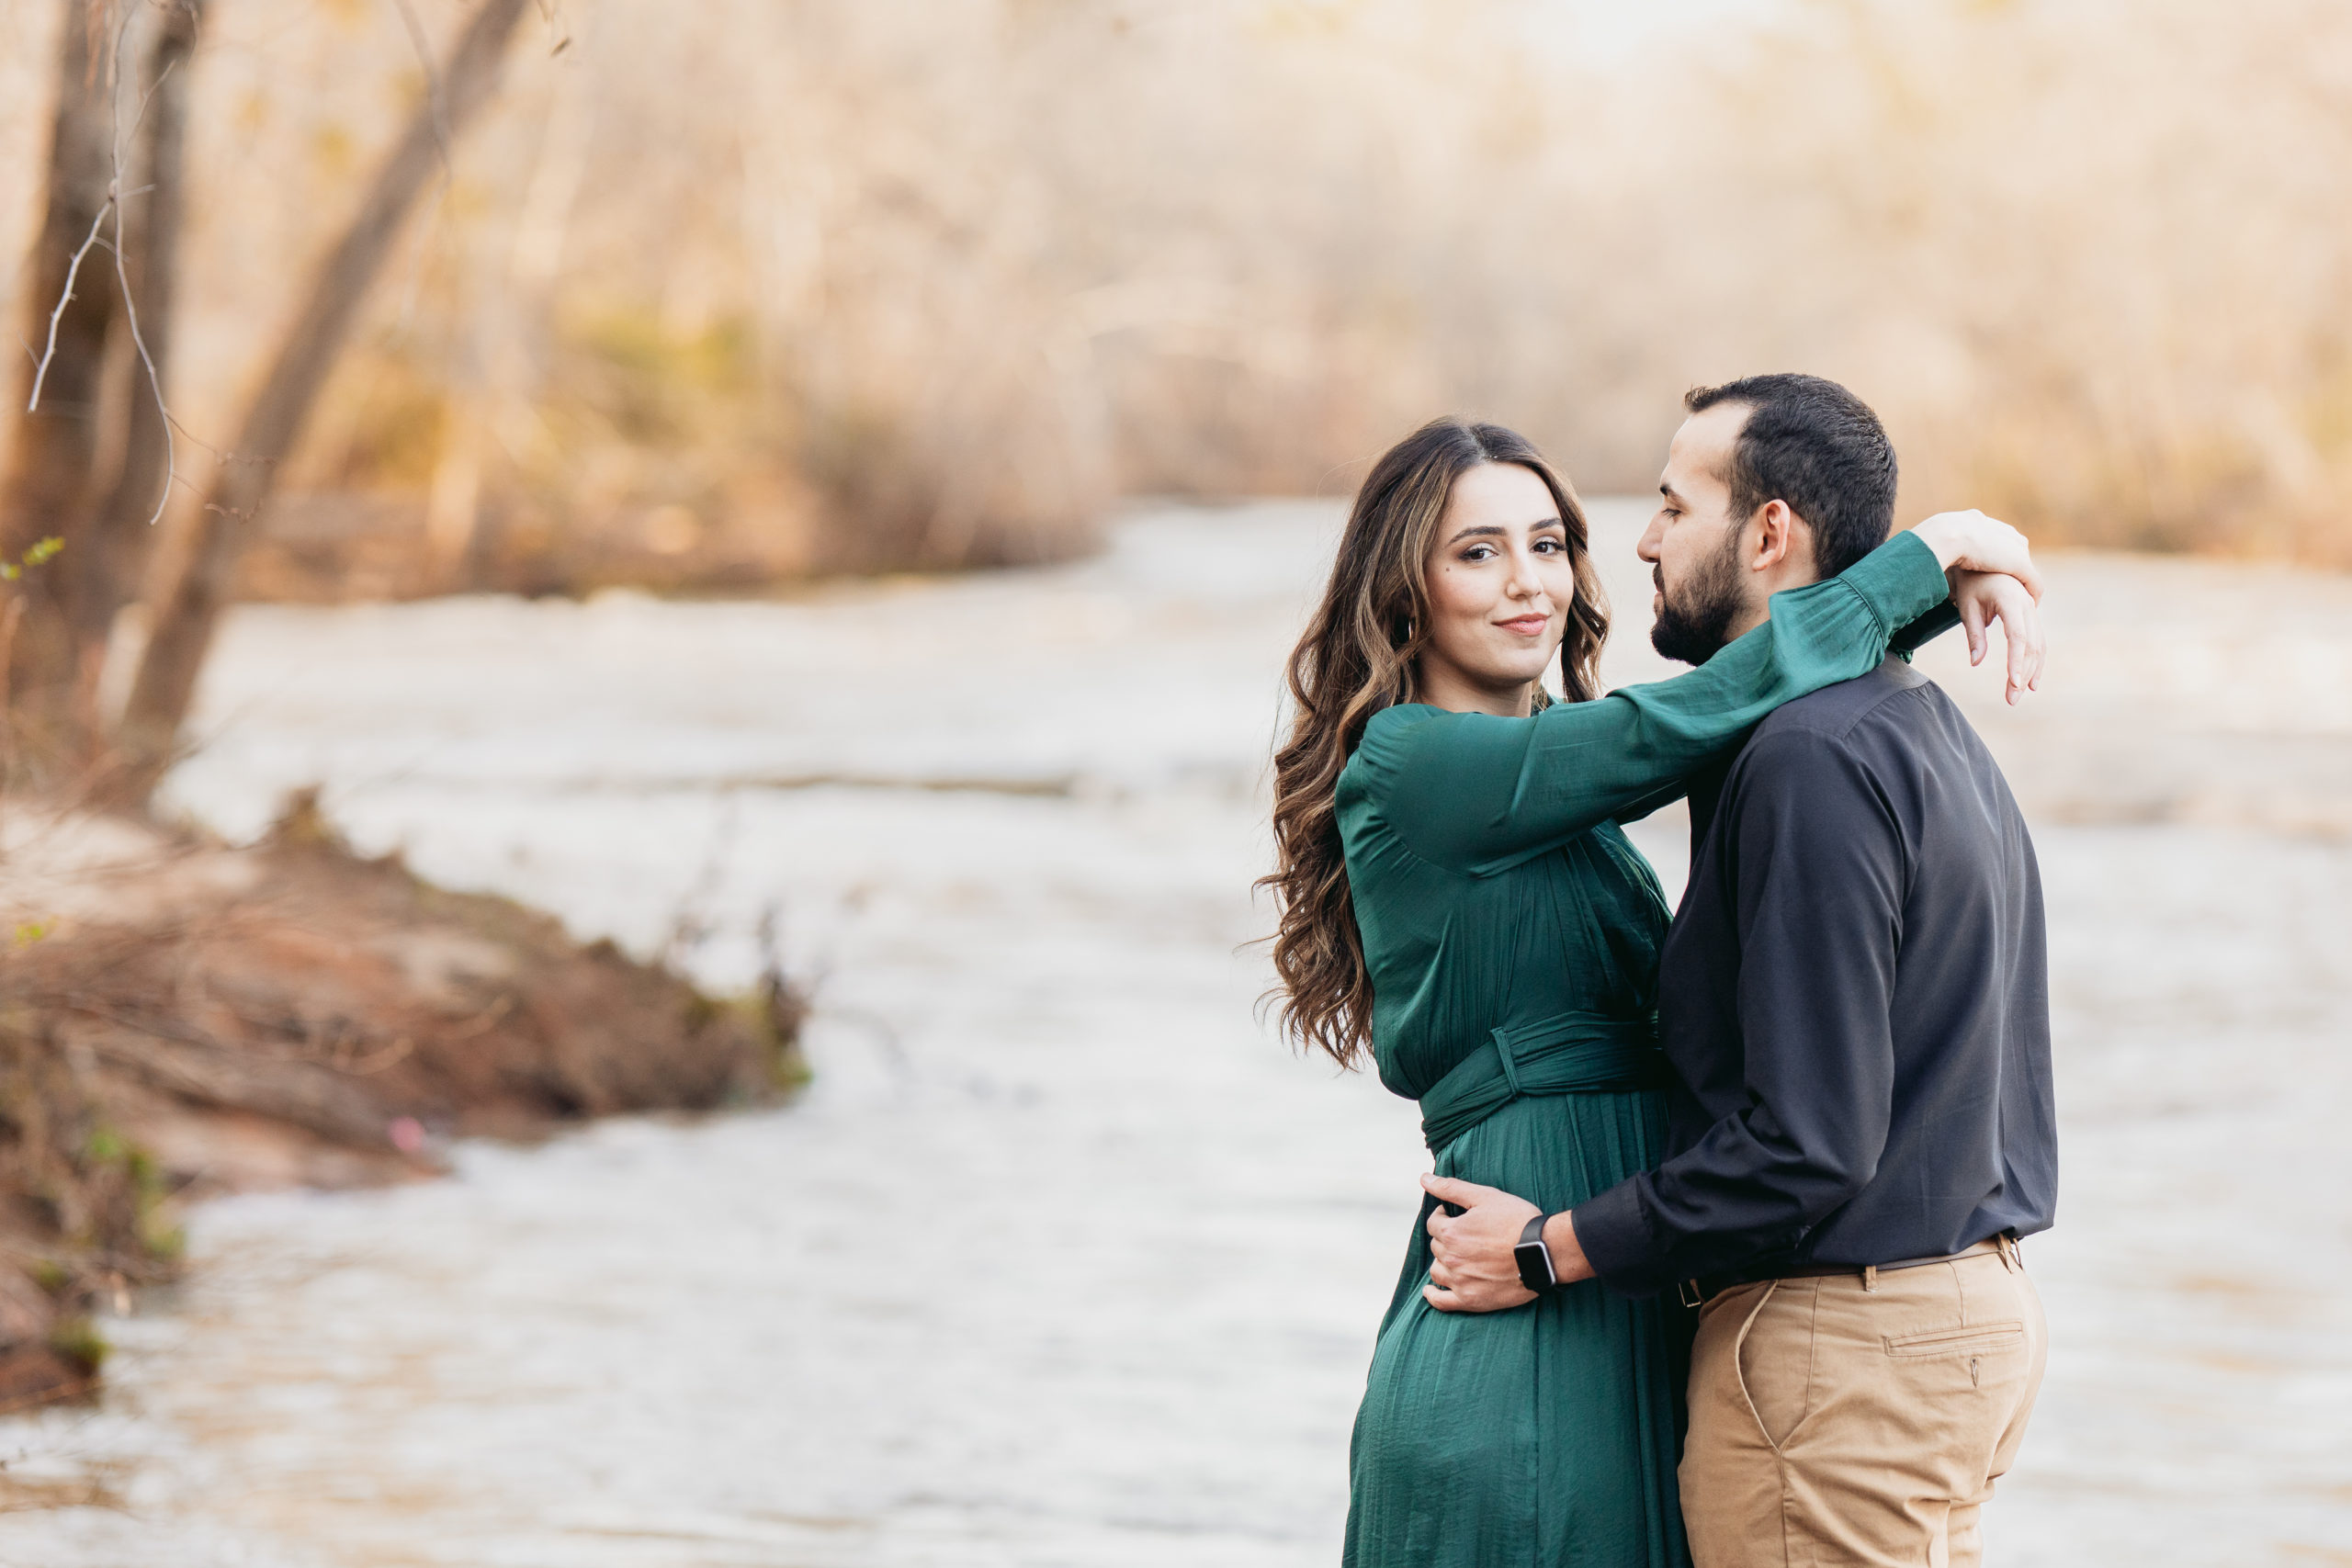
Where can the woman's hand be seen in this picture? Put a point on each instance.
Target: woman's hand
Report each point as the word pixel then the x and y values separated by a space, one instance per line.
pixel 1974 542
pixel 1984 597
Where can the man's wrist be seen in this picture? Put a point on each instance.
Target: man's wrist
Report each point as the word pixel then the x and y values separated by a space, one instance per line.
pixel 1569 1262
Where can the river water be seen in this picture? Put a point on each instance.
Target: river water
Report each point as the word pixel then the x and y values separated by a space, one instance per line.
pixel 1062 1260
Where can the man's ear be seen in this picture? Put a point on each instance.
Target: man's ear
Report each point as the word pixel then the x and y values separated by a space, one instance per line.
pixel 1775 526
pixel 1782 538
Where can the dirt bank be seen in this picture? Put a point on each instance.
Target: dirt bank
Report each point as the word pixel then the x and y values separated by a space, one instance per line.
pixel 178 1018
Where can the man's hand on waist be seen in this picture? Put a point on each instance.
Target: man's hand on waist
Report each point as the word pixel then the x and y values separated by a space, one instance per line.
pixel 1473 1267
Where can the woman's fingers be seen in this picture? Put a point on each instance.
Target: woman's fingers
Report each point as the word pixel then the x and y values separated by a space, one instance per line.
pixel 2016 554
pixel 1982 598
pixel 2021 629
pixel 1971 621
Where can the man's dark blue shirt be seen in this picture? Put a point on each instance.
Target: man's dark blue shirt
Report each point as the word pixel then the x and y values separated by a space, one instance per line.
pixel 1854 996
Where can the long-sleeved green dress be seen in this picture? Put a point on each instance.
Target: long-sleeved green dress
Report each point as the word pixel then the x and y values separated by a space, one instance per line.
pixel 1512 932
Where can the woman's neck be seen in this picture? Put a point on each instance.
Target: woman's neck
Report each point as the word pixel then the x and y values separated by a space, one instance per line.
pixel 1448 689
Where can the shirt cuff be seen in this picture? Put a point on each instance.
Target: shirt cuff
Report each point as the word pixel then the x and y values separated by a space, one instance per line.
pixel 1899 580
pixel 1616 1238
pixel 1924 631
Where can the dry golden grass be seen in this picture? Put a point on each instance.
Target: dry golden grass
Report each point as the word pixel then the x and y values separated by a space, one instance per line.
pixel 886 282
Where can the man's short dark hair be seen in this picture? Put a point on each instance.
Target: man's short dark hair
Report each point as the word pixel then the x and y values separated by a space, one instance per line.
pixel 1813 445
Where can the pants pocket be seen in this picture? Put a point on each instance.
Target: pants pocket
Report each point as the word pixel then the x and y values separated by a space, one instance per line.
pixel 1774 1357
pixel 1964 1339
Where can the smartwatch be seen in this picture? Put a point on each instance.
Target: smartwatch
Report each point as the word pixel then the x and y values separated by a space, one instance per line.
pixel 1535 1259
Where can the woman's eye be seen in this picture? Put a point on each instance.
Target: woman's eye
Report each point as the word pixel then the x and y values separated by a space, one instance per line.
pixel 1477 553
pixel 1551 547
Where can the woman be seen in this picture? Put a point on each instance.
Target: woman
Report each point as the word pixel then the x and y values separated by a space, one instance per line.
pixel 1451 873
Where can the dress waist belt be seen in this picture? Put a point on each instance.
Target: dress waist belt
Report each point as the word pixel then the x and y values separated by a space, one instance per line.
pixel 1570 1053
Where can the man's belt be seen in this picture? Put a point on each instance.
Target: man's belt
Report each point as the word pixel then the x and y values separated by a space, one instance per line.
pixel 1570 1053
pixel 1699 1291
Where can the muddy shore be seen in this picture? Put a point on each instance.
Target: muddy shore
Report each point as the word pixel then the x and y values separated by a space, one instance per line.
pixel 180 1019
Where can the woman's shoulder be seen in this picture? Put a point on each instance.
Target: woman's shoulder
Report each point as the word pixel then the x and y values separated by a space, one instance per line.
pixel 1388 738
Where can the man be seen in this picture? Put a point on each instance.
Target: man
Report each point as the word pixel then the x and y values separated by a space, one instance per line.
pixel 1853 997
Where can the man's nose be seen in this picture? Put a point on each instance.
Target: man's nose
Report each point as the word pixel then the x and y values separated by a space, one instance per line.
pixel 1647 547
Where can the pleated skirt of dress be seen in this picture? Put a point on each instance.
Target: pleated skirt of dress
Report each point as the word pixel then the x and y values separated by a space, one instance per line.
pixel 1547 1435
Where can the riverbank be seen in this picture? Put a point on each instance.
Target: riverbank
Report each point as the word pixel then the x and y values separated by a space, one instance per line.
pixel 184 1018
pixel 1062 1261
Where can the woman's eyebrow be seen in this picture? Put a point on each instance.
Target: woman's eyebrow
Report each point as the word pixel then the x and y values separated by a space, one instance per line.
pixel 1497 531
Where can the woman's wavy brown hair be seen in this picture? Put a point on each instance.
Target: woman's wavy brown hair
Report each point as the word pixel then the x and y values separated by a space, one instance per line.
pixel 1356 657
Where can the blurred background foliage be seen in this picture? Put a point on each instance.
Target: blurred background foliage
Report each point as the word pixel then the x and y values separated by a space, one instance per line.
pixel 746 290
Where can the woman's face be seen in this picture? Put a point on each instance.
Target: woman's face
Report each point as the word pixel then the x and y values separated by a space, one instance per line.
pixel 1501 584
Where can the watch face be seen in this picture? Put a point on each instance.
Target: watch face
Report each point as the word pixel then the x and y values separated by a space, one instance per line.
pixel 1534 1265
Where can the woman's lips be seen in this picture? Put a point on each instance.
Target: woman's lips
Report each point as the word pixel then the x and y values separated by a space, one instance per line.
pixel 1527 626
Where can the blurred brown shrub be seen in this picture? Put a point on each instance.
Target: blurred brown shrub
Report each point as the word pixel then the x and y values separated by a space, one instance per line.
pixel 741 290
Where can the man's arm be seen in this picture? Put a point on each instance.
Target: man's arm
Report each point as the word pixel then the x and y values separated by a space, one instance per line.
pixel 1817 876
pixel 1816 879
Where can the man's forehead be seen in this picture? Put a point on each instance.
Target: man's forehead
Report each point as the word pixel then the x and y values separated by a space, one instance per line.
pixel 1717 422
pixel 1702 443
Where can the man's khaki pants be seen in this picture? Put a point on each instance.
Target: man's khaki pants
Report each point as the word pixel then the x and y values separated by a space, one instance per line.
pixel 1853 1420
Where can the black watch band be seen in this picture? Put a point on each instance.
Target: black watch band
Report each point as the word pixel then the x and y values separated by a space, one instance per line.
pixel 1535 1259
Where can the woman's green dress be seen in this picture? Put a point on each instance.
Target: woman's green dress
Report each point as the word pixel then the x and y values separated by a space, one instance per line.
pixel 1512 933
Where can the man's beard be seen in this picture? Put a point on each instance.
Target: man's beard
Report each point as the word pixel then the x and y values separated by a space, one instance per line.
pixel 1694 628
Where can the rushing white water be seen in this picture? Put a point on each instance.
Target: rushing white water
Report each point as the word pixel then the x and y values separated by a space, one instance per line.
pixel 1062 1260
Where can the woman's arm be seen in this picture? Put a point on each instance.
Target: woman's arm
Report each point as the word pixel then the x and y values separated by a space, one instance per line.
pixel 1480 794
pixel 1984 597
pixel 1979 599
pixel 1993 579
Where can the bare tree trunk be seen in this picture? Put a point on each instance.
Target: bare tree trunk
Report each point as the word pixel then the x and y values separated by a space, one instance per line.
pixel 49 478
pixel 106 564
pixel 187 611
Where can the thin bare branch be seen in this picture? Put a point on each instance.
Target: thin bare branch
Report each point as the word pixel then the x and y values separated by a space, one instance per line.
pixel 154 377
pixel 130 305
pixel 64 297
pixel 140 118
pixel 554 19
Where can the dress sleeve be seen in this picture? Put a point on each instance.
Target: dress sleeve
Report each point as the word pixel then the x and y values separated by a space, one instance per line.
pixel 1480 794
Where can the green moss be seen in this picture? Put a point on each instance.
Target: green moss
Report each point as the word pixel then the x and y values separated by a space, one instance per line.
pixel 790 1066
pixel 78 1343
pixel 654 385
pixel 164 1240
